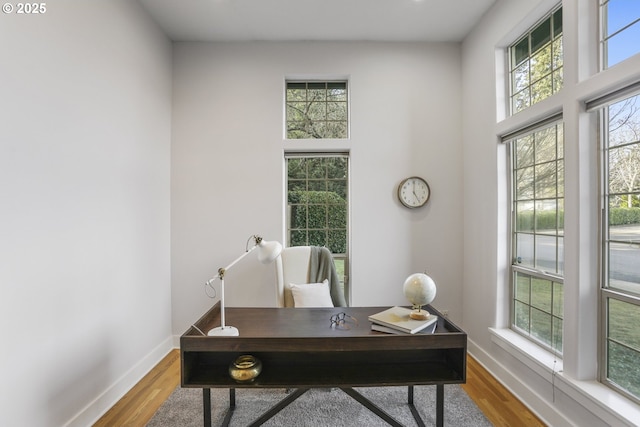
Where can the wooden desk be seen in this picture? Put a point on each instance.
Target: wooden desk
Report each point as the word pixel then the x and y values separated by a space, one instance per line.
pixel 299 349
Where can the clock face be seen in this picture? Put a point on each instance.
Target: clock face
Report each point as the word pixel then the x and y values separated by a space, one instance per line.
pixel 413 192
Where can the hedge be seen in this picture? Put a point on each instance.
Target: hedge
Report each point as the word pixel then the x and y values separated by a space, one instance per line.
pixel 547 220
pixel 624 216
pixel 323 214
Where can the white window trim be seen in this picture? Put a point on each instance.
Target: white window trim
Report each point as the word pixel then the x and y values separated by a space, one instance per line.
pixel 339 151
pixel 607 404
pixel 507 139
pixel 583 82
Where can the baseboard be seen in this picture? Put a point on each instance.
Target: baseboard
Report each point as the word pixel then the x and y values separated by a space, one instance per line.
pixel 99 406
pixel 536 404
pixel 577 402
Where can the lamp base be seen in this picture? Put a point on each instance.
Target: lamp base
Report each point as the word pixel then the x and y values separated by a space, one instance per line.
pixel 227 331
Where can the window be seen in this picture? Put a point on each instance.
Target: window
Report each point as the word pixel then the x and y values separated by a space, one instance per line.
pixel 621 243
pixel 317 207
pixel 316 110
pixel 620 23
pixel 537 166
pixel 536 63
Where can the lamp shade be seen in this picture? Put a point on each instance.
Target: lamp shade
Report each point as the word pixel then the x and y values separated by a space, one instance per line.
pixel 268 251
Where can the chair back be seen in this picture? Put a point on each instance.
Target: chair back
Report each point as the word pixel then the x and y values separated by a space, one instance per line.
pixel 292 266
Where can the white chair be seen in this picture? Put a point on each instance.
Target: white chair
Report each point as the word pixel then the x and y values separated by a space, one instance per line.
pixel 293 266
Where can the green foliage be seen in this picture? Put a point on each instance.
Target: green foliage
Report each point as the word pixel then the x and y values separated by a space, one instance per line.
pixel 543 220
pixel 537 63
pixel 318 218
pixel 624 345
pixel 624 216
pixel 547 220
pixel 539 309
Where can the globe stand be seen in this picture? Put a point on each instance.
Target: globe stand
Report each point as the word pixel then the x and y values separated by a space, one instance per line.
pixel 419 314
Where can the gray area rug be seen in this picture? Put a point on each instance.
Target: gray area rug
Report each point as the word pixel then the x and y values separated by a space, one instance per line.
pixel 320 407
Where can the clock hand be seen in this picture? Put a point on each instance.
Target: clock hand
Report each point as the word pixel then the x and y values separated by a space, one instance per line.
pixel 414 192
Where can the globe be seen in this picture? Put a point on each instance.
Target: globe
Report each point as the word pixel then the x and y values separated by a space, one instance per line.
pixel 420 290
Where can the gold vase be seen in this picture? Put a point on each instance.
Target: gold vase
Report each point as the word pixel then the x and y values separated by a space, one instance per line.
pixel 245 368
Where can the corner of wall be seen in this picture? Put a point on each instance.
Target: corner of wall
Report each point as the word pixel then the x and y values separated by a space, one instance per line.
pixel 98 407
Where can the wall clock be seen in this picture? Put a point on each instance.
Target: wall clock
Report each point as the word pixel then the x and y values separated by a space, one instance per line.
pixel 414 192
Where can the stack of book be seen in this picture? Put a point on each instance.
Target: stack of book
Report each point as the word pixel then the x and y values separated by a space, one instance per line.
pixel 396 320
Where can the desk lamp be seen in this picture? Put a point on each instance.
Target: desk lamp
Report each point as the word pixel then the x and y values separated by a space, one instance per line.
pixel 267 252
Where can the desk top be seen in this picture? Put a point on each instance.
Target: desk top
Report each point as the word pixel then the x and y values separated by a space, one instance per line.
pixel 282 324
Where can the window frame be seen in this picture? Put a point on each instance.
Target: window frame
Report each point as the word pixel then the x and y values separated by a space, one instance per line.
pixel 583 82
pixel 603 40
pixel 512 66
pixel 344 257
pixel 531 271
pixel 326 101
pixel 607 292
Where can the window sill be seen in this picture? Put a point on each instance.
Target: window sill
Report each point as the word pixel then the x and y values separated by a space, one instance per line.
pixel 543 362
pixel 595 397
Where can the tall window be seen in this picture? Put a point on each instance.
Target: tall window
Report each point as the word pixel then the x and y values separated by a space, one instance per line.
pixel 536 63
pixel 621 243
pixel 620 22
pixel 317 110
pixel 317 205
pixel 537 165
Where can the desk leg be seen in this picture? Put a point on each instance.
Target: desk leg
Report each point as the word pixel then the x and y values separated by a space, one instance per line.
pixel 412 407
pixel 372 407
pixel 232 407
pixel 206 406
pixel 440 405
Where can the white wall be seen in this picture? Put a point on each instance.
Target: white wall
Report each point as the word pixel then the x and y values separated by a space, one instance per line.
pixel 563 391
pixel 85 115
pixel 227 165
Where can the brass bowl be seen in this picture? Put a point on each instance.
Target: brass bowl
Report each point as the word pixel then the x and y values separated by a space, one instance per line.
pixel 245 368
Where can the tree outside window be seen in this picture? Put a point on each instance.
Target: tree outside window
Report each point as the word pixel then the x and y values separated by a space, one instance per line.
pixel 621 235
pixel 317 110
pixel 536 63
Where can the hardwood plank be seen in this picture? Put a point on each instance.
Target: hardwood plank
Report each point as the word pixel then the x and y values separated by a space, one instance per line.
pixel 497 403
pixel 137 407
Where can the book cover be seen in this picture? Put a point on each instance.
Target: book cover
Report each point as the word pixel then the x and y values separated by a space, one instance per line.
pixel 381 328
pixel 398 318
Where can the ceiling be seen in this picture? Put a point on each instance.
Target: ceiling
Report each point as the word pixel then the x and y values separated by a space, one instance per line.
pixel 317 20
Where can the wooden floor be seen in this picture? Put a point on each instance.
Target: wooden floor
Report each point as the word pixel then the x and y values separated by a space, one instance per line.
pixel 138 406
pixel 496 402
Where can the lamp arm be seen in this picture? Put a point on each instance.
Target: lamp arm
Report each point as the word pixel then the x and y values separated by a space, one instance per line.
pixel 268 252
pixel 223 270
pixel 220 275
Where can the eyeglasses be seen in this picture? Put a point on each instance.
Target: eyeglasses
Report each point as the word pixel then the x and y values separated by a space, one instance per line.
pixel 339 321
